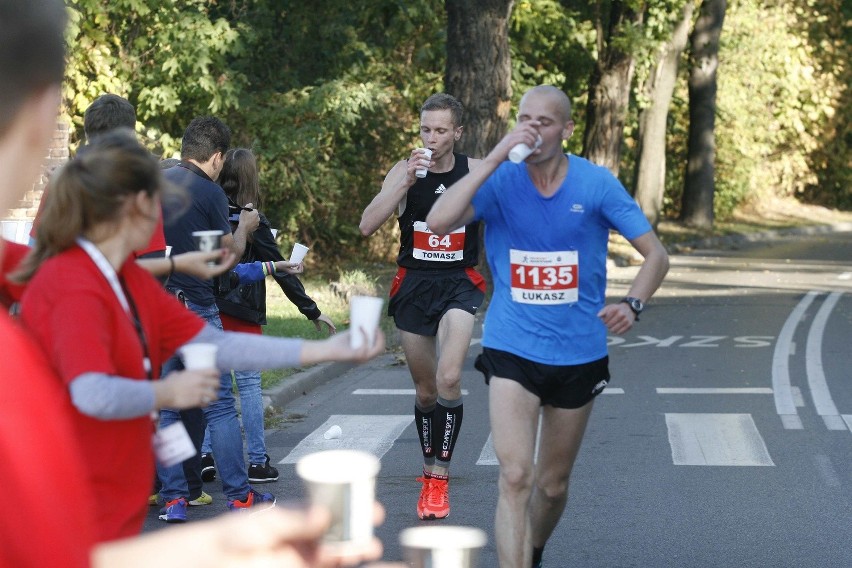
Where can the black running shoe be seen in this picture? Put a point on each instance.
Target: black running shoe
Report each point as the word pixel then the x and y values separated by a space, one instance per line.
pixel 262 473
pixel 208 468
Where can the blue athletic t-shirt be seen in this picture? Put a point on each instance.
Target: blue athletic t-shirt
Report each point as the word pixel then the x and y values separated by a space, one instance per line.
pixel 548 260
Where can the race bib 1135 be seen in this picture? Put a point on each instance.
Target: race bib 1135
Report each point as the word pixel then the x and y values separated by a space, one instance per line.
pixel 544 278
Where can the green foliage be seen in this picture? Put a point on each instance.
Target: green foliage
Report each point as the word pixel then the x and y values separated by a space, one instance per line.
pixel 328 94
pixel 552 45
pixel 168 57
pixel 343 110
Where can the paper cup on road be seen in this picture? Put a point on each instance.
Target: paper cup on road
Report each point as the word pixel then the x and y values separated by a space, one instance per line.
pixel 299 252
pixel 344 482
pixel 333 433
pixel 364 313
pixel 421 171
pixel 199 356
pixel 442 547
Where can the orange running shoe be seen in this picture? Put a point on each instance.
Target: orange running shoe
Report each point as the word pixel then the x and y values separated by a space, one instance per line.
pixel 437 499
pixel 424 492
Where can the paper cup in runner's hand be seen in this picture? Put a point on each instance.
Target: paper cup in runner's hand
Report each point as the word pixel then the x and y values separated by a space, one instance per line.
pixel 344 482
pixel 364 313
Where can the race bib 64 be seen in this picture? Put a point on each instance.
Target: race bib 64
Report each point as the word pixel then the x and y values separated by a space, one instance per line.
pixel 429 246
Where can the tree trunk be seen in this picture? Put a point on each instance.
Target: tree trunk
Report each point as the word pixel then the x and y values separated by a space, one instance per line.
pixel 699 183
pixel 609 89
pixel 651 153
pixel 479 70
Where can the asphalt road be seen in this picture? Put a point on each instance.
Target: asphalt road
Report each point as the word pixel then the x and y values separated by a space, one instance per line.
pixel 724 439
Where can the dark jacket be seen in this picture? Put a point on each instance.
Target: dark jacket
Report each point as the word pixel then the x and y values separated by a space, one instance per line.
pixel 248 301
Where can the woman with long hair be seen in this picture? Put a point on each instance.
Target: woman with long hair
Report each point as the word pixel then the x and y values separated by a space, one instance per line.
pixel 106 325
pixel 244 309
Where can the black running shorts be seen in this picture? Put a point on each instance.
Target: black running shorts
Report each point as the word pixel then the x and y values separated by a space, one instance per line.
pixel 560 386
pixel 420 298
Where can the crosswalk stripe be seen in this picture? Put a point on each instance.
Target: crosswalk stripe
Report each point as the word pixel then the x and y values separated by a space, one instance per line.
pixel 372 433
pixel 487 456
pixel 710 390
pixel 717 440
pixel 392 392
pixel 410 392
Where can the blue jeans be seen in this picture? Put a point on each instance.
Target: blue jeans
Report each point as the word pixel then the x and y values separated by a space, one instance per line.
pixel 225 435
pixel 251 406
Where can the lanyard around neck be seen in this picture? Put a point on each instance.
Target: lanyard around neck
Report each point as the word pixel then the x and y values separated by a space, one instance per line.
pixel 124 297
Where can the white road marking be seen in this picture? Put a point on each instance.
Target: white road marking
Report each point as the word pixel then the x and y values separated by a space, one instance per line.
pixel 391 392
pixel 848 419
pixel 711 390
pixel 798 399
pixel 372 433
pixel 784 404
pixel 487 456
pixel 813 364
pixel 716 440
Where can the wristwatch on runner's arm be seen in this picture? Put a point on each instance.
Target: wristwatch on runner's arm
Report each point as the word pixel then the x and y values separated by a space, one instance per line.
pixel 635 304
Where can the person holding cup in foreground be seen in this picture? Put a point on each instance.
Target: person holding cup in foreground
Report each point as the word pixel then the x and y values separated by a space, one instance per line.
pixel 37 419
pixel 108 329
pixel 545 341
pixel 435 333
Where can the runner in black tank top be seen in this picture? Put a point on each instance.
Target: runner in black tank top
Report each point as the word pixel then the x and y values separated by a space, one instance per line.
pixel 436 291
pixel 419 248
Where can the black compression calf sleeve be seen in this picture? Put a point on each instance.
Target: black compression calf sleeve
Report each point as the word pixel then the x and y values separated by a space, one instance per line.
pixel 423 421
pixel 448 420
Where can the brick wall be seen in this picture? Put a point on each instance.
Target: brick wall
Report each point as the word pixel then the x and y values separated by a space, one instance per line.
pixel 57 155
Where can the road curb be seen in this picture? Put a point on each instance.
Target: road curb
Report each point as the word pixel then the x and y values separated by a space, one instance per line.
pixel 301 383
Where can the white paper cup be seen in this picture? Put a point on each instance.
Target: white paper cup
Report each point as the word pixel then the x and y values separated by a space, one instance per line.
pixel 421 171
pixel 364 312
pixel 521 151
pixel 333 433
pixel 197 356
pixel 168 251
pixel 442 546
pixel 208 241
pixel 299 252
pixel 344 482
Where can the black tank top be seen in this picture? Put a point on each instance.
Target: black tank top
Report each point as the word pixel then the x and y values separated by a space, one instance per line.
pixel 419 248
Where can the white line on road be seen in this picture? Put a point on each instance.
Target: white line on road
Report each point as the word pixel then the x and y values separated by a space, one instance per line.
pixel 716 440
pixel 374 433
pixel 711 390
pixel 392 392
pixel 813 364
pixel 784 404
pixel 410 392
